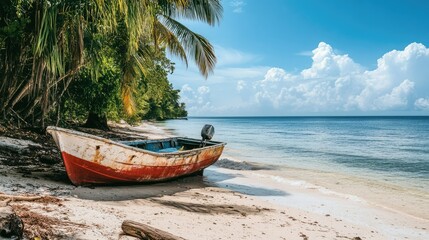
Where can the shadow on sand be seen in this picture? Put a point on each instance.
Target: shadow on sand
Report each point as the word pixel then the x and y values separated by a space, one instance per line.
pixel 121 192
pixel 212 209
pixel 151 190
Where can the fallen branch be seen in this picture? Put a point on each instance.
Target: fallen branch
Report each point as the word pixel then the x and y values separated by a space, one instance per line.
pixel 146 232
pixel 19 198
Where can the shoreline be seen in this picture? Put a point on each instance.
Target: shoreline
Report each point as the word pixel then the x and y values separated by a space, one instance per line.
pixel 373 191
pixel 379 191
pixel 389 199
pixel 402 199
pixel 223 204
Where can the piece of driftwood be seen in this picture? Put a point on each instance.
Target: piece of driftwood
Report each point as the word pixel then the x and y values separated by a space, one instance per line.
pixel 11 226
pixel 19 198
pixel 146 232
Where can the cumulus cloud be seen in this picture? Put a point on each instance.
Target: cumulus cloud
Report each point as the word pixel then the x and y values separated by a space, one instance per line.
pixel 335 83
pixel 328 64
pixel 397 98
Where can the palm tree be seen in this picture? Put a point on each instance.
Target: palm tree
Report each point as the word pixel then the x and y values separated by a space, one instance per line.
pixel 148 24
pixel 43 44
pixel 166 31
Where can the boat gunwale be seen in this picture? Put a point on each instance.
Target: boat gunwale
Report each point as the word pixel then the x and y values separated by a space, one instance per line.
pixel 49 129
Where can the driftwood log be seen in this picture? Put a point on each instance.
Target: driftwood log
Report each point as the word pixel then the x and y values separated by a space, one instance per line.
pixel 11 226
pixel 19 198
pixel 146 232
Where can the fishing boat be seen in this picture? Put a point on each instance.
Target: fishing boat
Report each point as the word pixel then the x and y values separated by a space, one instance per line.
pixel 90 159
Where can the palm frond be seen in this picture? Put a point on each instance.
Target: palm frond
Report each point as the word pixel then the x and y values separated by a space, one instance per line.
pixel 46 46
pixel 195 44
pixel 163 36
pixel 169 7
pixel 208 11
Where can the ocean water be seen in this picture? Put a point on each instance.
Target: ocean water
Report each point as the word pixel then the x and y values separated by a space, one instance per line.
pixel 394 149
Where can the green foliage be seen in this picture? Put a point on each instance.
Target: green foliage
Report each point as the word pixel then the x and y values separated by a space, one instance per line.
pixel 88 93
pixel 160 99
pixel 100 93
pixel 111 53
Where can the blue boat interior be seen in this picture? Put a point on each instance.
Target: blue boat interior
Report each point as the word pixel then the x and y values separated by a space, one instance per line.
pixel 169 145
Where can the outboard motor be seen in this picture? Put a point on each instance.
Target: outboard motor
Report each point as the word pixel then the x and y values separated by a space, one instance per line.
pixel 207 134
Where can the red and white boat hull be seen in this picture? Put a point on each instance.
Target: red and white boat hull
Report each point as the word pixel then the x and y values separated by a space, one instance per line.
pixel 90 159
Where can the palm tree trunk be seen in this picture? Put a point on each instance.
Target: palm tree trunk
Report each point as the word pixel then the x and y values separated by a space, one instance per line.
pixel 98 121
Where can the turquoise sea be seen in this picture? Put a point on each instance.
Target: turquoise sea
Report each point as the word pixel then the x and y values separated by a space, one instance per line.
pixel 394 149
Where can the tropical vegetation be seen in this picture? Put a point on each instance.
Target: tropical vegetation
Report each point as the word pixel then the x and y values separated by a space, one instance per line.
pixel 77 59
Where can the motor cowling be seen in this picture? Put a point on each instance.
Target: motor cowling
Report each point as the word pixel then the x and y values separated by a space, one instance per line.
pixel 207 132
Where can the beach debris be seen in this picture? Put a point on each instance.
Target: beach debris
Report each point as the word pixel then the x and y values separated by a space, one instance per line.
pixel 11 218
pixel 143 231
pixel 14 215
pixel 304 237
pixel 39 224
pixel 17 145
pixel 19 198
pixel 11 226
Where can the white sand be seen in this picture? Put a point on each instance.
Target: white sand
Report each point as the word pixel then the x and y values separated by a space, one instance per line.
pixel 241 204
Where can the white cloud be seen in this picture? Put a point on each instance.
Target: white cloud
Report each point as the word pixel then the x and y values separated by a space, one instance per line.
pixel 237 5
pixel 186 89
pixel 203 90
pixel 335 83
pixel 328 64
pixel 274 75
pixel 398 98
pixel 195 100
pixel 422 103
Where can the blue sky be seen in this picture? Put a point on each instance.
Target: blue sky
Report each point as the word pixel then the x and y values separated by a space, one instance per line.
pixel 313 57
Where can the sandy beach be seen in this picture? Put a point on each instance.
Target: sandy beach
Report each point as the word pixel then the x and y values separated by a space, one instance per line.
pixel 233 200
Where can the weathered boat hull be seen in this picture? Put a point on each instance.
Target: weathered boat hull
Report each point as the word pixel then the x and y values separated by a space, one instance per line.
pixel 90 159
